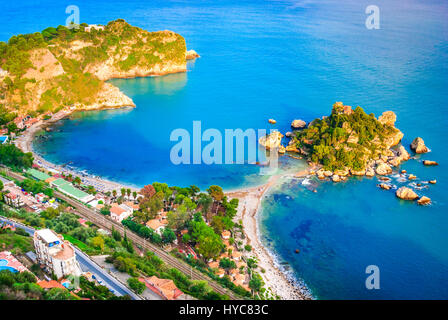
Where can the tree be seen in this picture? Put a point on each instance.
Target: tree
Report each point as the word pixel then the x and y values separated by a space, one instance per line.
pixel 114 193
pixel 98 242
pixel 168 235
pixel 148 191
pixel 194 190
pixel 77 180
pixel 256 282
pixel 123 192
pixel 128 192
pixel 136 285
pixel 12 156
pixel 227 264
pixel 116 234
pixel 216 192
pixel 134 194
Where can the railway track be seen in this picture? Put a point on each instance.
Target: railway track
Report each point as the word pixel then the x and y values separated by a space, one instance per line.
pixel 107 224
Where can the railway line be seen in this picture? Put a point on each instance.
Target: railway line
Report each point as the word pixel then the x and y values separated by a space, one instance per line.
pixel 107 224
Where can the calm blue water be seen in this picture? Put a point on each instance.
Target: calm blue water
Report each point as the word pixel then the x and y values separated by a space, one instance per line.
pixel 285 60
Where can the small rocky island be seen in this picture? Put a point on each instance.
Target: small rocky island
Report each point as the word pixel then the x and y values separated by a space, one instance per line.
pixel 59 67
pixel 350 143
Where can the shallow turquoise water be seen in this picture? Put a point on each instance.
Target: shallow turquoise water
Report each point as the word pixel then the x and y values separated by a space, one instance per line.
pixel 285 60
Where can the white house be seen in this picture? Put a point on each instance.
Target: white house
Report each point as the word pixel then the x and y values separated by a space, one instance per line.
pixel 119 212
pixel 55 254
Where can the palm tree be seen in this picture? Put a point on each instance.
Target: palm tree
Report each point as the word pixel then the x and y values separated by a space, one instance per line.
pixel 114 193
pixel 123 192
pixel 134 194
pixel 128 192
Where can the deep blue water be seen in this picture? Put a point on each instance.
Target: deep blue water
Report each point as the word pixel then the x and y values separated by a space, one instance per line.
pixel 285 60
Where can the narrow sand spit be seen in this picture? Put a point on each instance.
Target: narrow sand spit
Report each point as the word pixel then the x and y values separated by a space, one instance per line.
pixel 249 205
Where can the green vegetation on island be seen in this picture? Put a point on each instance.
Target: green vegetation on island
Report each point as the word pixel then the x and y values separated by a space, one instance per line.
pixel 58 67
pixel 347 139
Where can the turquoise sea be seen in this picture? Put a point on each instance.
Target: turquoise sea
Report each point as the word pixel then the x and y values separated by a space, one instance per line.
pixel 284 60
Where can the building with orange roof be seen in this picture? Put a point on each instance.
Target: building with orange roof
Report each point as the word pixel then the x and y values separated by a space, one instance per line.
pixel 213 264
pixel 226 234
pixel 236 255
pixel 119 213
pixel 220 272
pixel 50 284
pixel 239 279
pixel 165 288
pixel 157 225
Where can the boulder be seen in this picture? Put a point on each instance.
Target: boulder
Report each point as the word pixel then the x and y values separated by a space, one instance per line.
pixel 335 178
pixel 289 134
pixel 418 145
pixel 358 172
pixel 432 181
pixel 385 186
pixel 403 171
pixel 388 118
pixel 430 163
pixel 383 169
pixel 370 172
pixel 328 173
pixel 281 149
pixel 292 149
pixel 424 201
pixel 298 124
pixel 342 172
pixel 403 154
pixel 191 54
pixel 406 193
pixel 271 141
pixel 395 162
pixel 272 121
pixel 412 177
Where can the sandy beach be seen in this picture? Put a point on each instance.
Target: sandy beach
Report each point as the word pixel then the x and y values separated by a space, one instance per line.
pixel 248 209
pixel 24 142
pixel 250 203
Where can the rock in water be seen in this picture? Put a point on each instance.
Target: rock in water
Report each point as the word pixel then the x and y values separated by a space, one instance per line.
pixel 383 169
pixel 424 201
pixel 191 54
pixel 388 117
pixel 272 121
pixel 418 145
pixel 297 251
pixel 406 193
pixel 271 141
pixel 403 154
pixel 335 178
pixel 432 181
pixel 298 124
pixel 430 163
pixel 385 186
pixel 412 177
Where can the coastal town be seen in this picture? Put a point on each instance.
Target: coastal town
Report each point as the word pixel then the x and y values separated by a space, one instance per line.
pixel 67 234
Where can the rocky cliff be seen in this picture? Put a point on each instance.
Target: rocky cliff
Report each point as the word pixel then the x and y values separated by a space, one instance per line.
pixel 62 67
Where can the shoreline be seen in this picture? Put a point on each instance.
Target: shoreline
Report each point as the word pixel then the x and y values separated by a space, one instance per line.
pixel 282 283
pixel 25 143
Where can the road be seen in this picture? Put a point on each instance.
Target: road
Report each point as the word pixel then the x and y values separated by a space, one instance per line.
pixel 88 265
pixel 107 224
